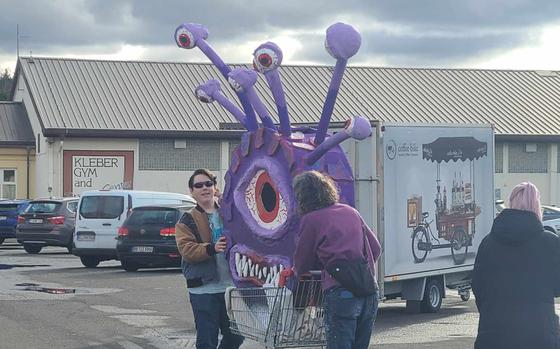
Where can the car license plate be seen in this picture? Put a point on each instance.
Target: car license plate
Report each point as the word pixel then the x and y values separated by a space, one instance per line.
pixel 143 249
pixel 35 221
pixel 3 218
pixel 85 236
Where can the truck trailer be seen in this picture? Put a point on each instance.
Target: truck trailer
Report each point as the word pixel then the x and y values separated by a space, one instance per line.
pixel 427 190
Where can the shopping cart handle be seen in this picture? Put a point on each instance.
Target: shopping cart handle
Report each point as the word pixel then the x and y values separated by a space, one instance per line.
pixel 285 275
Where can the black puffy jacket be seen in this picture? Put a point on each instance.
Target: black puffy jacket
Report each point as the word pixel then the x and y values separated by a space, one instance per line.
pixel 515 279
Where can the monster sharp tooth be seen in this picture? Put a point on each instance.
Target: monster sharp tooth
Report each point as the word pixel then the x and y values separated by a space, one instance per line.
pixel 237 257
pixel 252 271
pixel 250 262
pixel 268 279
pixel 276 279
pixel 245 270
pixel 238 268
pixel 265 271
pixel 259 274
pixel 243 259
pixel 281 267
pixel 273 270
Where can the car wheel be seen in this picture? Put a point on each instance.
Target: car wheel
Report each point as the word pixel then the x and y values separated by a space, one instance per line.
pixel 70 247
pixel 32 249
pixel 433 296
pixel 89 261
pixel 129 266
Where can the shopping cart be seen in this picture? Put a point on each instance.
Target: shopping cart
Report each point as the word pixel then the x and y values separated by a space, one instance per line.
pixel 280 317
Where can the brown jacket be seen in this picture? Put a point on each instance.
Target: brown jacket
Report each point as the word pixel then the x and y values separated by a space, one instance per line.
pixel 193 248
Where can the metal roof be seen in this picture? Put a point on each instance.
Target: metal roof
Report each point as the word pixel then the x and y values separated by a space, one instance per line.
pixel 94 97
pixel 15 129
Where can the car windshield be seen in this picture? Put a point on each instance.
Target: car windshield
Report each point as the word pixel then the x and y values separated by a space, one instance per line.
pixel 159 217
pixel 43 207
pixel 102 207
pixel 550 212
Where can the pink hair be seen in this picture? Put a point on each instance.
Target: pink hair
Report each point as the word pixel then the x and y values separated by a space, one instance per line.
pixel 526 196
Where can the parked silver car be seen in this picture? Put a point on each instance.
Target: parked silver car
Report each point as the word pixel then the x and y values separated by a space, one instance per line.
pixel 551 216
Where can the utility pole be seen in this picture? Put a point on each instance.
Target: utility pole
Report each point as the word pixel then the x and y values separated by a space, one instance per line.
pixel 17 41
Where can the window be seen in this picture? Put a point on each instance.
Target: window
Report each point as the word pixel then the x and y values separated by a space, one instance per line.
pixel 8 187
pixel 72 206
pixel 144 217
pixel 43 207
pixel 527 159
pixel 102 207
pixel 161 155
pixel 499 157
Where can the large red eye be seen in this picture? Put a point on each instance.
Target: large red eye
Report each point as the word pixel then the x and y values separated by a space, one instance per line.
pixel 268 199
pixel 265 201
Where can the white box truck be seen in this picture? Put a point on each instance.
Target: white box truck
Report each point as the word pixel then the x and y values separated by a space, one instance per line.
pixel 428 192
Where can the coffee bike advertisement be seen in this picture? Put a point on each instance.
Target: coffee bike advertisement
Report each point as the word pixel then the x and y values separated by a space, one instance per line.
pixel 439 201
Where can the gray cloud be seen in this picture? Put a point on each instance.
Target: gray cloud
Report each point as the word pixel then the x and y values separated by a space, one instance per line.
pixel 402 32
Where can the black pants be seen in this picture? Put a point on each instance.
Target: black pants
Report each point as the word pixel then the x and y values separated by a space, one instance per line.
pixel 210 316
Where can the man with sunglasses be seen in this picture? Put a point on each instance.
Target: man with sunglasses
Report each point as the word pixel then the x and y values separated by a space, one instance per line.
pixel 201 244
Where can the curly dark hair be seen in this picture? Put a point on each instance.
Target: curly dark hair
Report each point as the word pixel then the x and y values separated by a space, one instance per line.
pixel 314 190
pixel 201 171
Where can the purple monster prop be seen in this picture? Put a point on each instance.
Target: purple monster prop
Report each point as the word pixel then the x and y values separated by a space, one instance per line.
pixel 258 204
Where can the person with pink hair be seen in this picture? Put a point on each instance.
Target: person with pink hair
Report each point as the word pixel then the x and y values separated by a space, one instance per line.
pixel 516 277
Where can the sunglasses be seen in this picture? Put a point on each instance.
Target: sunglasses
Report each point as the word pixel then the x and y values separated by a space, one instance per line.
pixel 199 185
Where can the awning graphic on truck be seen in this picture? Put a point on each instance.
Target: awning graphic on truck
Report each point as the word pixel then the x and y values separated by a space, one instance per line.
pixel 454 148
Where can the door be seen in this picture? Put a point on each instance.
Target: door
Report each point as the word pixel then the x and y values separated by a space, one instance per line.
pixel 98 220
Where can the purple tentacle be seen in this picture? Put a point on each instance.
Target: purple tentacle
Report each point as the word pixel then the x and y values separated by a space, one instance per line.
pixel 242 79
pixel 266 59
pixel 211 91
pixel 275 84
pixel 190 35
pixel 356 127
pixel 342 42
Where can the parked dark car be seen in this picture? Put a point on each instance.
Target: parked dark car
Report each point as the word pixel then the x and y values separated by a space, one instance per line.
pixel 47 222
pixel 147 237
pixel 9 211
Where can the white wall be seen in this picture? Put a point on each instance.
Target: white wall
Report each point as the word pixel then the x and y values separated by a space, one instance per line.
pixel 43 174
pixel 548 183
pixel 172 181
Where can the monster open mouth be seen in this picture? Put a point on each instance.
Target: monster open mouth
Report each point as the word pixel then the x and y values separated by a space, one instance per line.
pixel 249 267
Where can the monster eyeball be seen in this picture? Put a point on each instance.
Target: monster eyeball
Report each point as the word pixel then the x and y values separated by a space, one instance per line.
pixel 267 57
pixel 184 38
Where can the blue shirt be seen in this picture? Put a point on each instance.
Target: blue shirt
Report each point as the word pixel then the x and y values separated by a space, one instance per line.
pixel 223 279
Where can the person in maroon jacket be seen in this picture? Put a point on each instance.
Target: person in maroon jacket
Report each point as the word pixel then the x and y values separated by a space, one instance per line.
pixel 335 231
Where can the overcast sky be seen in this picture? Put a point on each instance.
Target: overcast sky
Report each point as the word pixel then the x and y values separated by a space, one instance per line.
pixel 496 34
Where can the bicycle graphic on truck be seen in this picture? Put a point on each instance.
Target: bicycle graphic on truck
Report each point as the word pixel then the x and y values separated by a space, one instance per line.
pixel 455 220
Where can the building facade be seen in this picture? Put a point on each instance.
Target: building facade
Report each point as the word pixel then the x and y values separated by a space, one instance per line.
pixel 113 124
pixel 17 153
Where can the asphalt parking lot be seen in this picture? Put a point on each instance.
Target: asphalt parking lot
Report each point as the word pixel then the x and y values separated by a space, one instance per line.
pixel 111 308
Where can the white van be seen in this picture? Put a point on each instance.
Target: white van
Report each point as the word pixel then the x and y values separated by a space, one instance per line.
pixel 100 214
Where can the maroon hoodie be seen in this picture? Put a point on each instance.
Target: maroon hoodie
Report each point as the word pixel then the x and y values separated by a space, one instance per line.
pixel 332 233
